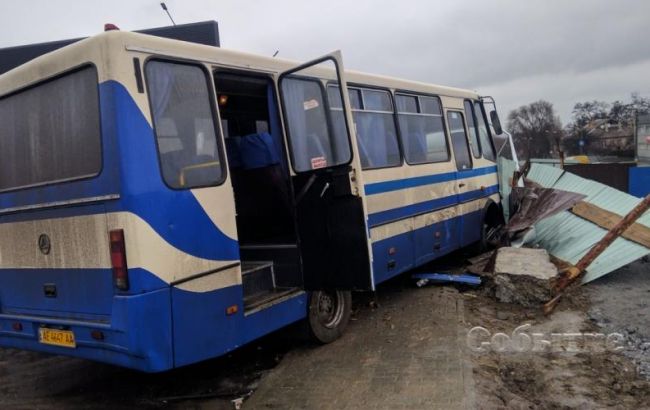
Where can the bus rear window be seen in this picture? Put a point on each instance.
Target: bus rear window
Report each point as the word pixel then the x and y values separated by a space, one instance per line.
pixel 50 132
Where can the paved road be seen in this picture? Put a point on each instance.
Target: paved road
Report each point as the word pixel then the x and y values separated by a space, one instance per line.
pixel 401 353
pixel 404 353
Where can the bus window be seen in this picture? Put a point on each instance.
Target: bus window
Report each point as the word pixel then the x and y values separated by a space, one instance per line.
pixel 375 127
pixel 483 133
pixel 50 132
pixel 184 124
pixel 334 96
pixel 472 127
pixel 459 140
pixel 312 144
pixel 421 129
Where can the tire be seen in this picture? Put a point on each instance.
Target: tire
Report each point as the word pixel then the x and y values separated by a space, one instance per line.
pixel 491 224
pixel 329 314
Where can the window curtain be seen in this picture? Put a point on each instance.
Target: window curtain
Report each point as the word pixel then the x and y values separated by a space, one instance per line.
pixel 274 128
pixel 294 99
pixel 161 81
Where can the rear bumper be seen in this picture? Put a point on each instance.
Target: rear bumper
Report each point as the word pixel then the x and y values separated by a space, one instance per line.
pixel 138 335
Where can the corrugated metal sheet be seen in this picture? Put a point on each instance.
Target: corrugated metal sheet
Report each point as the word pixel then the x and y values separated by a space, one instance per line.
pixel 505 170
pixel 569 237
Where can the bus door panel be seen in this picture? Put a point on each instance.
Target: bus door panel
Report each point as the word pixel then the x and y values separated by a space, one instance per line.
pixel 464 167
pixel 329 203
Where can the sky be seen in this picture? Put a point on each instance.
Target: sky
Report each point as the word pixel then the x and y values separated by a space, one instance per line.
pixel 517 51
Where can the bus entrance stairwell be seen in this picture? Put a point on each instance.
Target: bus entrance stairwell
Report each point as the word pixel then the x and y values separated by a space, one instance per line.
pixel 260 180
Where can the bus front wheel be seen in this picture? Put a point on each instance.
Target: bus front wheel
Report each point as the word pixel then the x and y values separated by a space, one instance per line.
pixel 329 314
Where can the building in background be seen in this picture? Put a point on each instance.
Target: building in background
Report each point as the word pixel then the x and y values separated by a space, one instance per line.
pixel 643 139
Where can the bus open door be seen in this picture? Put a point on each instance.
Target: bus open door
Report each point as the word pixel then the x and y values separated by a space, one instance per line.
pixel 326 176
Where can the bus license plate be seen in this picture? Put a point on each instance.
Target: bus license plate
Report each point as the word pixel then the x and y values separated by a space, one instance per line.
pixel 56 337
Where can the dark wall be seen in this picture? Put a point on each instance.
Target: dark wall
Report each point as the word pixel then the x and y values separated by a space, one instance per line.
pixel 616 175
pixel 205 32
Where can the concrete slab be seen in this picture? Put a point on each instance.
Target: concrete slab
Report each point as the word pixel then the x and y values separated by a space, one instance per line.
pixel 407 353
pixel 523 276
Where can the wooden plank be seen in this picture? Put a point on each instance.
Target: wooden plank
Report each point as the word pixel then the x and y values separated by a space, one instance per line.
pixel 607 220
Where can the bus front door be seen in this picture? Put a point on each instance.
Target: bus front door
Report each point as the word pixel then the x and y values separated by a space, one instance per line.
pixel 328 187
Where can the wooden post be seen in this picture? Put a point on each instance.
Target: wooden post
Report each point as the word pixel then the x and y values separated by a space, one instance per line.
pixel 575 272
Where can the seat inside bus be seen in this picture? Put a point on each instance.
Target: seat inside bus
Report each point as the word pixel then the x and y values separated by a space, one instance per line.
pixel 257 163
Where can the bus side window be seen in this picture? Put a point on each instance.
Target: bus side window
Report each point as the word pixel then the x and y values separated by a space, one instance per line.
pixel 422 129
pixel 472 128
pixel 459 140
pixel 372 111
pixel 483 133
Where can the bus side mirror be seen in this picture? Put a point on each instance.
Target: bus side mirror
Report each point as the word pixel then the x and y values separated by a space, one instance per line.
pixel 496 123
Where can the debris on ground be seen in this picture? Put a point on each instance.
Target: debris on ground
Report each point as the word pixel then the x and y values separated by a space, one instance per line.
pixel 568 235
pixel 523 276
pixel 426 278
pixel 532 203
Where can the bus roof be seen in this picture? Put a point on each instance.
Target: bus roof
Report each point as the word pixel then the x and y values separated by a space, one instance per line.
pixel 65 58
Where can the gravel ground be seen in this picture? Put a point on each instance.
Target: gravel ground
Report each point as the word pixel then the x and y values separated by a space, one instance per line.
pixel 620 302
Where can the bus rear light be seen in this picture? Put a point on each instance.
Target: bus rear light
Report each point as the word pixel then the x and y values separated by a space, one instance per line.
pixel 118 260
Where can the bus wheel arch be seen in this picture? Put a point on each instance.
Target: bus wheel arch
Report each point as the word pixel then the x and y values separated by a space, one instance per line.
pixel 492 220
pixel 328 314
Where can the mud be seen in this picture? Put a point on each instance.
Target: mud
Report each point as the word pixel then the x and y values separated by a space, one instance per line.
pixel 573 374
pixel 31 380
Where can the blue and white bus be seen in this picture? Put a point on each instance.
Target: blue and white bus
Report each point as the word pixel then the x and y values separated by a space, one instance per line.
pixel 163 202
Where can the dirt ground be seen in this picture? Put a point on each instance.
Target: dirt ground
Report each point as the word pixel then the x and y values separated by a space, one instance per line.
pixel 569 377
pixel 621 303
pixel 578 373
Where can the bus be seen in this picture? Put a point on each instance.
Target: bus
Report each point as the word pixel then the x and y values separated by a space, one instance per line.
pixel 164 202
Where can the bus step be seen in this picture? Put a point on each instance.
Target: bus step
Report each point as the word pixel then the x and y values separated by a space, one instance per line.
pixel 255 303
pixel 257 277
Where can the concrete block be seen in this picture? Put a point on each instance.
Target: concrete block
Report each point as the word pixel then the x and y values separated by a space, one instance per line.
pixel 523 276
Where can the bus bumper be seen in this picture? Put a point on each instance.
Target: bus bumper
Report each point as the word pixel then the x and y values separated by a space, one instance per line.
pixel 138 334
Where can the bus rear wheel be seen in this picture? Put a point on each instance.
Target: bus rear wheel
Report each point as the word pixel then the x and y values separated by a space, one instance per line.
pixel 329 314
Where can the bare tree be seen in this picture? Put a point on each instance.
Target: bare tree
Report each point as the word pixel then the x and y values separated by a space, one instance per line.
pixel 536 130
pixel 591 117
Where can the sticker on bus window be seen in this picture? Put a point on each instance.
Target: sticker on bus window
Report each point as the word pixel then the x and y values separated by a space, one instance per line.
pixel 310 104
pixel 318 162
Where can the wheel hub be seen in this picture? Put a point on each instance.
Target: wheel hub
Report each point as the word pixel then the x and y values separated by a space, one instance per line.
pixel 330 309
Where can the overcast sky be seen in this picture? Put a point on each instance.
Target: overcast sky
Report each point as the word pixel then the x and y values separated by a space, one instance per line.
pixel 518 51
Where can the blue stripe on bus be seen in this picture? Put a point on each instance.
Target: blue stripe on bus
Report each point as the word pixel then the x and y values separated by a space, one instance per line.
pixel 176 215
pixel 379 218
pixel 478 193
pixel 402 252
pixel 134 173
pixel 398 184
